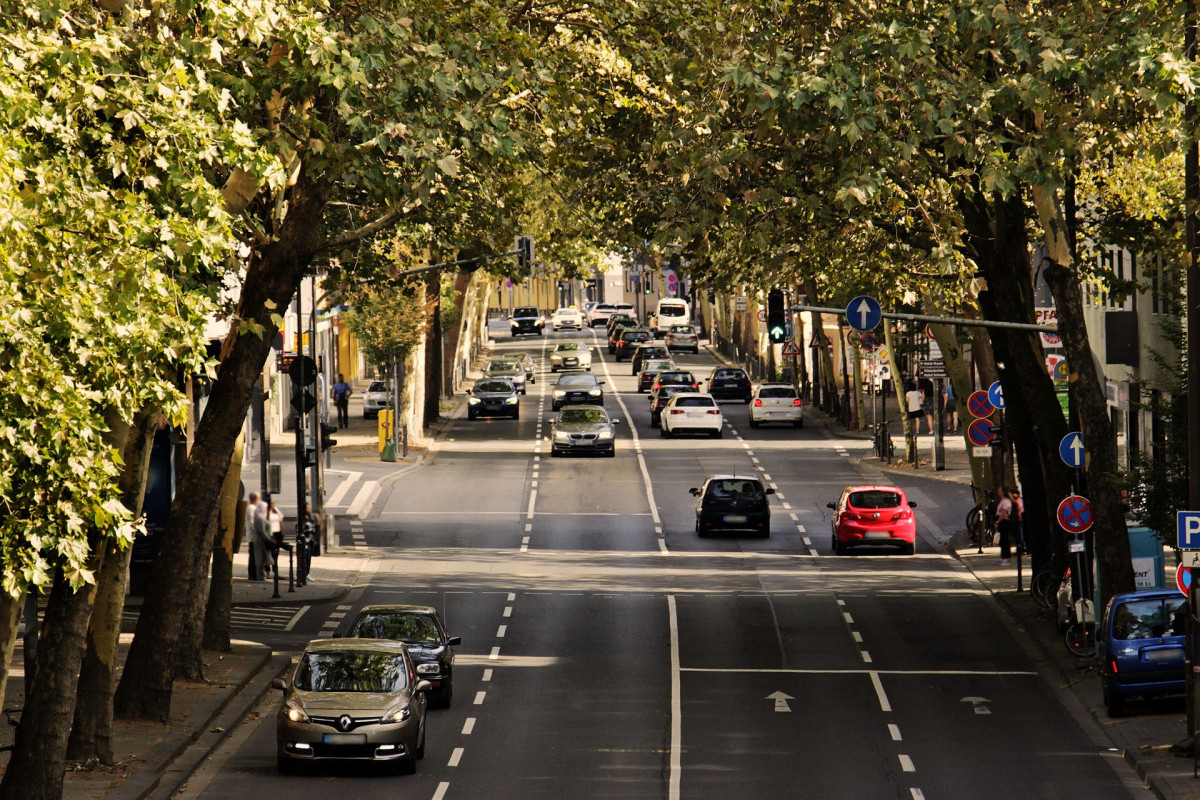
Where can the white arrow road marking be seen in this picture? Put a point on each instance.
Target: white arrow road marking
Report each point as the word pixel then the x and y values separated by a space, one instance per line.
pixel 781 699
pixel 979 704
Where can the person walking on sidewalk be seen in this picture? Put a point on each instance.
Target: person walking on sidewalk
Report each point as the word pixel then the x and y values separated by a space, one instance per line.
pixel 260 549
pixel 914 405
pixel 1017 519
pixel 341 399
pixel 308 545
pixel 1004 522
pixel 950 405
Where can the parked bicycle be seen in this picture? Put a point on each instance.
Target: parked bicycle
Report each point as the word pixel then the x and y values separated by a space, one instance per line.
pixel 979 525
pixel 1080 636
pixel 884 449
pixel 1045 585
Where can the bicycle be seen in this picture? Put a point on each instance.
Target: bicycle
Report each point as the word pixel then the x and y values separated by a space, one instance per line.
pixel 885 450
pixel 1044 587
pixel 1080 636
pixel 979 526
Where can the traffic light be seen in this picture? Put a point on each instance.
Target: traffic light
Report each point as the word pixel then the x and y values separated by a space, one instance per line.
pixel 303 372
pixel 327 431
pixel 310 457
pixel 776 317
pixel 525 255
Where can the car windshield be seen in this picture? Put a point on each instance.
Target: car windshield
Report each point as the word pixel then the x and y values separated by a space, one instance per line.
pixel 684 329
pixel 735 489
pixel 589 416
pixel 410 628
pixel 777 391
pixel 565 346
pixel 351 671
pixel 874 498
pixel 501 367
pixel 494 386
pixel 1150 618
pixel 525 312
pixel 377 386
pixel 695 402
pixel 576 380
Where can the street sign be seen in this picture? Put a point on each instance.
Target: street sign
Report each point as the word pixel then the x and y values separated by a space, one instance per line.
pixel 982 452
pixel 996 394
pixel 1071 449
pixel 932 368
pixel 981 432
pixel 791 349
pixel 979 405
pixel 1077 546
pixel 883 354
pixel 864 313
pixel 1190 558
pixel 740 302
pixel 1187 529
pixel 762 315
pixel 1075 514
pixel 1183 578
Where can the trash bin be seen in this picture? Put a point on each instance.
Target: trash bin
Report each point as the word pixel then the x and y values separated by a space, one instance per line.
pixel 389 451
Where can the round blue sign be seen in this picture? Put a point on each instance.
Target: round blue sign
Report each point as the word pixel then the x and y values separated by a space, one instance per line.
pixel 864 313
pixel 996 395
pixel 981 432
pixel 1071 449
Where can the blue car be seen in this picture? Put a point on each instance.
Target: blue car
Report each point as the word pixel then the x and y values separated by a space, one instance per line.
pixel 1143 646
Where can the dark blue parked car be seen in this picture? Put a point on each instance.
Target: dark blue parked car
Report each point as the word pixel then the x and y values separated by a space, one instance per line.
pixel 1143 646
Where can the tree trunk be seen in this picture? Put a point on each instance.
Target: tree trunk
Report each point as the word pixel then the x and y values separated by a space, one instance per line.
pixel 220 589
pixel 38 763
pixel 959 370
pixel 1111 538
pixel 433 352
pixel 91 732
pixel 10 618
pixel 997 242
pixel 272 276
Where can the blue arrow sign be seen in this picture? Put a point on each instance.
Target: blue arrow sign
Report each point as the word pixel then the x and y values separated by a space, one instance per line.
pixel 864 313
pixel 1071 449
pixel 996 395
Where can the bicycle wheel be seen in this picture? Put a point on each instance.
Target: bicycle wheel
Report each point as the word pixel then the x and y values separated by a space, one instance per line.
pixel 1080 640
pixel 1043 587
pixel 975 526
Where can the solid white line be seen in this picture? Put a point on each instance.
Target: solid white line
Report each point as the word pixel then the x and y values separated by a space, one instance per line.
pixel 456 757
pixel 907 764
pixel 662 547
pixel 443 787
pixel 676 704
pixel 479 696
pixel 894 730
pixel 468 726
pixel 343 488
pixel 884 705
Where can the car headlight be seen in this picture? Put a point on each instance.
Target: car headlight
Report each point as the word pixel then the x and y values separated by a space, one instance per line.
pixel 596 392
pixel 604 435
pixel 430 668
pixel 295 712
pixel 510 401
pixel 398 714
pixel 560 436
pixel 474 401
pixel 560 393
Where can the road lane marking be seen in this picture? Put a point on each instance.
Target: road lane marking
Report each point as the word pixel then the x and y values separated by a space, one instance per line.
pixel 512 596
pixel 479 697
pixel 532 501
pixel 894 730
pixel 866 657
pixel 857 636
pixel 443 787
pixel 846 616
pixel 456 757
pixel 501 631
pixel 802 529
pixel 906 764
pixel 884 704
pixel 468 726
pixel 495 654
pixel 807 541
pixel 343 488
pixel 508 611
pixel 676 704
pixel 917 794
pixel 637 444
pixel 767 477
pixel 487 675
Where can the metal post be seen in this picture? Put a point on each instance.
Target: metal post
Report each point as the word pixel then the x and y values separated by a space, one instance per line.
pixel 1191 184
pixel 939 445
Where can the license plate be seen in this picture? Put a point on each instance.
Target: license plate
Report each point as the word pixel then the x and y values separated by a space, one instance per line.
pixel 1171 654
pixel 345 738
pixel 879 535
pixel 736 518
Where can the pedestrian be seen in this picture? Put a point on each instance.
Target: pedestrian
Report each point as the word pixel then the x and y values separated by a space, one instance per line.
pixel 341 399
pixel 275 526
pixel 254 563
pixel 308 544
pixel 950 405
pixel 927 404
pixel 914 403
pixel 1003 523
pixel 1017 519
pixel 263 530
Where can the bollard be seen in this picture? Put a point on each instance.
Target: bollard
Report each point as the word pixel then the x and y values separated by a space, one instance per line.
pixel 291 570
pixel 1020 587
pixel 275 574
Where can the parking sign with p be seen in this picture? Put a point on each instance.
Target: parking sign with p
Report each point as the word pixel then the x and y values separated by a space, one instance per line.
pixel 1187 527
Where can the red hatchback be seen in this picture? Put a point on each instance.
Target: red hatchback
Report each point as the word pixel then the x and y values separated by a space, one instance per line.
pixel 874 515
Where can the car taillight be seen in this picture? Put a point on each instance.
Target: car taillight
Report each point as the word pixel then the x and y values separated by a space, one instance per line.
pixel 758 403
pixel 696 386
pixel 713 411
pixel 796 403
pixel 906 514
pixel 657 385
pixel 676 410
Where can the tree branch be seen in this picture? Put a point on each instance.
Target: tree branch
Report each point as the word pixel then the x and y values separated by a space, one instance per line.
pixel 366 231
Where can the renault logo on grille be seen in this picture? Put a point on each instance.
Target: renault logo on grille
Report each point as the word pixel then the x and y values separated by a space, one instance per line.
pixel 345 722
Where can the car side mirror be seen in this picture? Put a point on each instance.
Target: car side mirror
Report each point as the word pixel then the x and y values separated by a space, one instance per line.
pixel 454 641
pixel 600 382
pixel 280 684
pixel 615 421
pixel 694 492
pixel 831 505
pixel 769 490
pixel 911 504
pixel 423 686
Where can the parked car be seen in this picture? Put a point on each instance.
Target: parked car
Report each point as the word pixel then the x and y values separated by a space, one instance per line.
pixel 733 503
pixel 675 377
pixel 419 627
pixel 630 338
pixel 577 388
pixel 566 319
pixel 375 399
pixel 1142 638
pixel 650 369
pixel 729 383
pixel 571 355
pixel 647 349
pixel 776 402
pixel 510 370
pixel 692 412
pixel 352 700
pixel 527 319
pixel 659 398
pixel 683 337
pixel 494 397
pixel 599 314
pixel 583 429
pixel 873 515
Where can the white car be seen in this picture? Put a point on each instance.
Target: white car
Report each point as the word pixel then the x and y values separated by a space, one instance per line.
pixel 567 318
pixel 571 355
pixel 599 314
pixel 375 399
pixel 776 402
pixel 692 411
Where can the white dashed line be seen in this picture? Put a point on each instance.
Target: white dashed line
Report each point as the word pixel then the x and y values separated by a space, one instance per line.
pixel 917 794
pixel 468 726
pixel 866 657
pixel 479 697
pixel 907 764
pixel 487 675
pixel 455 757
pixel 894 730
pixel 495 654
pixel 443 787
pixel 857 637
pixel 501 631
pixel 802 529
pixel 508 611
pixel 846 616
pixel 511 597
pixel 884 704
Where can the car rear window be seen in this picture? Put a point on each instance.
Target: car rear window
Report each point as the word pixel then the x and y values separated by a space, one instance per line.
pixel 1150 618
pixel 776 391
pixel 729 373
pixel 874 498
pixel 684 329
pixel 695 401
pixel 636 336
pixel 743 489
pixel 672 311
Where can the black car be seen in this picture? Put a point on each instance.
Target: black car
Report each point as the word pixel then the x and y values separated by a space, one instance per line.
pixel 620 319
pixel 733 503
pixel 575 388
pixel 615 333
pixel 659 398
pixel 644 351
pixel 675 377
pixel 730 383
pixel 629 340
pixel 495 397
pixel 419 627
pixel 583 429
pixel 527 319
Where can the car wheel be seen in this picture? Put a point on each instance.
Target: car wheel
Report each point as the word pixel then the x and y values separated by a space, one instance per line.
pixel 754 423
pixel 619 359
pixel 766 531
pixel 718 433
pixel 523 391
pixel 516 415
pixel 407 766
pixel 1113 704
pixel 746 399
pixel 700 534
pixel 554 453
pixel 285 765
pixel 695 351
pixel 611 453
pixel 663 432
pixel 653 422
pixel 909 548
pixel 470 416
pixel 838 547
pixel 798 423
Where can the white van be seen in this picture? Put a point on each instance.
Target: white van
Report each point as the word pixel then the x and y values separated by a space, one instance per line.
pixel 670 311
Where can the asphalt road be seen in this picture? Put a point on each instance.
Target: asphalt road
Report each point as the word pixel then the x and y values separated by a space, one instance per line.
pixel 609 652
